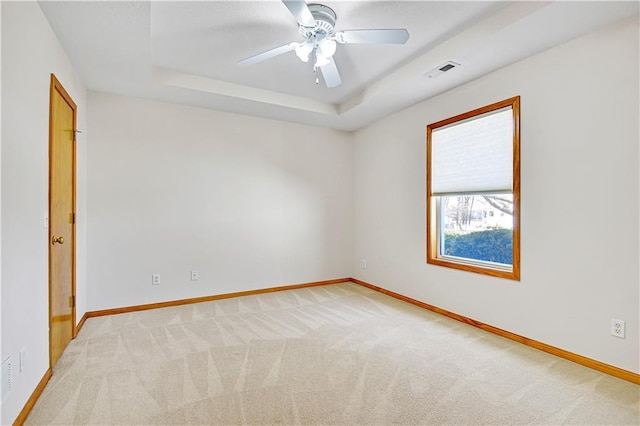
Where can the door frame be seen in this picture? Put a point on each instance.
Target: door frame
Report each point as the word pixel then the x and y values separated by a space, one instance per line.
pixel 56 86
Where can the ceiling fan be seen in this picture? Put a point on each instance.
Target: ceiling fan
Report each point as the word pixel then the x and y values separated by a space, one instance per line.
pixel 317 27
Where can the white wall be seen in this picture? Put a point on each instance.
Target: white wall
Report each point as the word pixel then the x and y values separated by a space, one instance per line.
pixel 250 203
pixel 30 53
pixel 580 140
pixel 1 353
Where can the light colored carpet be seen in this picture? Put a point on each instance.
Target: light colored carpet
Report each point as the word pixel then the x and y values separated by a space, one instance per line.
pixel 336 354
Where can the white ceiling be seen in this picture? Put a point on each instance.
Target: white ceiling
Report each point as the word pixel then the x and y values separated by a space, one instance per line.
pixel 187 52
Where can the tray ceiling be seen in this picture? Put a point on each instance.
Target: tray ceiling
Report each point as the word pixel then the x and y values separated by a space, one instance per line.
pixel 187 52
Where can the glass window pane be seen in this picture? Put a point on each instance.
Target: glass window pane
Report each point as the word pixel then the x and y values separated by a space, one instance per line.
pixel 477 227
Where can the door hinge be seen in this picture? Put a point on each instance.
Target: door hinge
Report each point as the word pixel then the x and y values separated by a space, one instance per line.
pixel 72 301
pixel 72 218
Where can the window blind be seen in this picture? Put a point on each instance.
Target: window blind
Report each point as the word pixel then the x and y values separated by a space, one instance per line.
pixel 475 155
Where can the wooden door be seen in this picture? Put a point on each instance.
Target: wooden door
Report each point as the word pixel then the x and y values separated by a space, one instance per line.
pixel 62 126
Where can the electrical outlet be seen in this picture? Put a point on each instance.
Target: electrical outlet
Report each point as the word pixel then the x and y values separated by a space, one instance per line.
pixel 155 279
pixel 617 328
pixel 195 275
pixel 364 264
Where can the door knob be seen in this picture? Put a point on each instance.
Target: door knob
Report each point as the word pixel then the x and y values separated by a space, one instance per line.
pixel 59 240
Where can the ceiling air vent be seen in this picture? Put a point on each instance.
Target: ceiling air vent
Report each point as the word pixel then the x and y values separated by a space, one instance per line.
pixel 441 69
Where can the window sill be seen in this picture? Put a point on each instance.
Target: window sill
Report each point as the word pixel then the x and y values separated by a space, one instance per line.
pixel 486 268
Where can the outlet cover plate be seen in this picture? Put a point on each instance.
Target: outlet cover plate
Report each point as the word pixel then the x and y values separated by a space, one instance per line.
pixel 617 328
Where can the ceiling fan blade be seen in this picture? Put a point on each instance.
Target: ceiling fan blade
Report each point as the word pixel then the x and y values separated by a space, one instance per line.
pixel 330 74
pixel 267 55
pixel 301 12
pixel 392 36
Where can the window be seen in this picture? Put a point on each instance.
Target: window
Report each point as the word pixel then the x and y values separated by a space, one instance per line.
pixel 473 190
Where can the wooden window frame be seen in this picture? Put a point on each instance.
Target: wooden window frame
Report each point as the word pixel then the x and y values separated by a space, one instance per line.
pixel 479 267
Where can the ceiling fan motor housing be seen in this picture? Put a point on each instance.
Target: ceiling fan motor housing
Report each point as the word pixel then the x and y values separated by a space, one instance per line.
pixel 325 23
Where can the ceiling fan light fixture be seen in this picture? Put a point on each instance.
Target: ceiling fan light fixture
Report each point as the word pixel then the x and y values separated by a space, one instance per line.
pixel 327 47
pixel 303 50
pixel 325 51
